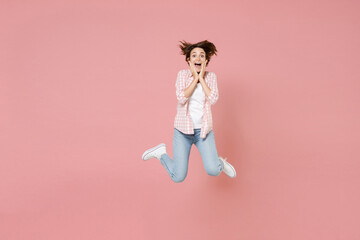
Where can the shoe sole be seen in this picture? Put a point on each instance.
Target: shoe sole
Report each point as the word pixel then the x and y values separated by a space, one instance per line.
pixel 150 150
pixel 232 169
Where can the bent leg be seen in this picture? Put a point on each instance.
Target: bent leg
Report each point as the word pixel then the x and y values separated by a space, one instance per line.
pixel 207 148
pixel 177 168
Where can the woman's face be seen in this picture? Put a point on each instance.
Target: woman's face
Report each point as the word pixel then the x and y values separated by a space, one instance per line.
pixel 197 57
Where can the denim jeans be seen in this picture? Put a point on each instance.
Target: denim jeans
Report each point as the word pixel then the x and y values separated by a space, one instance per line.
pixel 177 168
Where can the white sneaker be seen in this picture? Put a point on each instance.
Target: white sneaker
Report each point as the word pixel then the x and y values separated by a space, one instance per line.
pixel 154 152
pixel 228 168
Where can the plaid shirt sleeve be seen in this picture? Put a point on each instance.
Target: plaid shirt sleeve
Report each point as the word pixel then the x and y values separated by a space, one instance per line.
pixel 180 87
pixel 214 94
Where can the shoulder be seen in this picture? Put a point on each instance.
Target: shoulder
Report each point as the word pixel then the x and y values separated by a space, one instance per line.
pixel 184 72
pixel 211 75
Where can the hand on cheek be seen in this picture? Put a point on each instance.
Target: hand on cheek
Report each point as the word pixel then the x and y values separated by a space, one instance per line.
pixel 203 66
pixel 193 70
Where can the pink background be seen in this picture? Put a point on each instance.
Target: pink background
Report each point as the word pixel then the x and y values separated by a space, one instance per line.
pixel 87 86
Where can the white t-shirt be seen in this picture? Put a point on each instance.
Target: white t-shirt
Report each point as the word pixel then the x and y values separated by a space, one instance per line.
pixel 196 106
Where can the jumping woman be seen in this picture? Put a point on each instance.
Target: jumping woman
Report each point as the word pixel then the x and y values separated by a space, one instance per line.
pixel 196 91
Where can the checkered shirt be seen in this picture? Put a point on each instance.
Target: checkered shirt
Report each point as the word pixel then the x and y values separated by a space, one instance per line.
pixel 183 121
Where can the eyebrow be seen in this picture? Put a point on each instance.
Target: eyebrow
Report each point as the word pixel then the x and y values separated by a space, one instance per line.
pixel 200 52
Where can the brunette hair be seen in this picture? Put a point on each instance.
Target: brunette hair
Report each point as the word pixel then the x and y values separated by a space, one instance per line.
pixel 208 47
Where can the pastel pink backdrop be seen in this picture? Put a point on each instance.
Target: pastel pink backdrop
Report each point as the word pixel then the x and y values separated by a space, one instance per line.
pixel 87 86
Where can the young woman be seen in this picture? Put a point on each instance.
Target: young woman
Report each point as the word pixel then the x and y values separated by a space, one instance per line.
pixel 196 91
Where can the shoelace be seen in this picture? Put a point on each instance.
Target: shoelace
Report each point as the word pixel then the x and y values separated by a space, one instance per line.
pixel 224 159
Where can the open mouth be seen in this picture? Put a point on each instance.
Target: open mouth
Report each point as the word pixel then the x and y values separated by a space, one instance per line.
pixel 198 64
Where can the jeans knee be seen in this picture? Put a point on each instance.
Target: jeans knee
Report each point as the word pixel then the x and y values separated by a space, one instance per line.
pixel 214 171
pixel 178 178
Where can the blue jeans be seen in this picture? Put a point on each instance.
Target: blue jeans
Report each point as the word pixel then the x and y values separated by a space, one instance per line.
pixel 177 168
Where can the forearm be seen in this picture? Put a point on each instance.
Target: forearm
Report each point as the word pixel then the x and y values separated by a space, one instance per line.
pixel 205 87
pixel 190 89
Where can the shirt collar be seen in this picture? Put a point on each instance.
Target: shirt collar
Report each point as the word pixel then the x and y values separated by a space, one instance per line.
pixel 188 72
